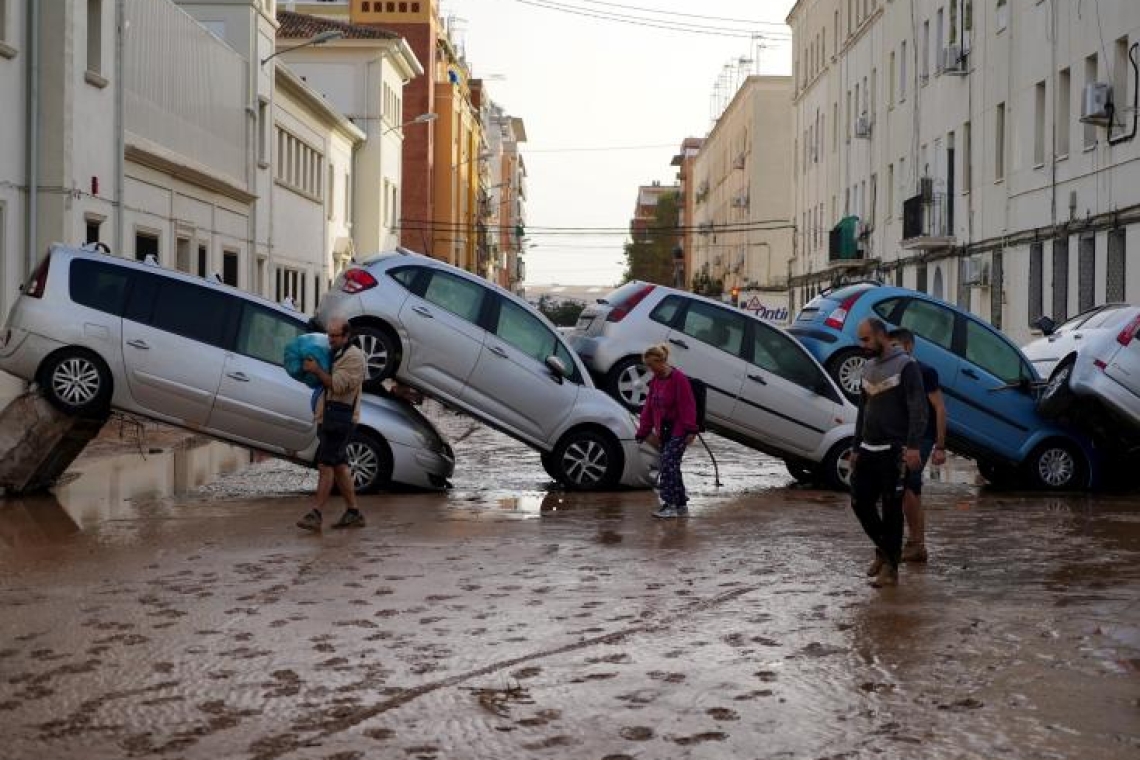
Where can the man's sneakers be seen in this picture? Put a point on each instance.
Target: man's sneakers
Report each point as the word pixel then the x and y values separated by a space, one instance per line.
pixel 914 553
pixel 311 521
pixel 668 510
pixel 350 519
pixel 888 575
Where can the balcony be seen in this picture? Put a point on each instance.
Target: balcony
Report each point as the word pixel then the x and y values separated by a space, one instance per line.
pixel 927 222
pixel 843 240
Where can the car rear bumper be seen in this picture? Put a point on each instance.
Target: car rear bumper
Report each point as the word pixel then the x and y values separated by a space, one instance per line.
pixel 1089 381
pixel 23 351
pixel 640 465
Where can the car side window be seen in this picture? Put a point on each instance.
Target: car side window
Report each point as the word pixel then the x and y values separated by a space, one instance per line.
pixel 781 356
pixel 459 296
pixel 263 334
pixel 987 350
pixel 930 321
pixel 528 334
pixel 666 311
pixel 192 311
pixel 406 276
pixel 884 309
pixel 98 285
pixel 719 328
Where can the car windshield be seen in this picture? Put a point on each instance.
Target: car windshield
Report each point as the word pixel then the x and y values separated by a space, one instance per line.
pixel 1089 317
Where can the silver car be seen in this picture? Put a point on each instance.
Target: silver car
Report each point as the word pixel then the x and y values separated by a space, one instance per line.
pixel 1095 356
pixel 764 389
pixel 478 348
pixel 99 332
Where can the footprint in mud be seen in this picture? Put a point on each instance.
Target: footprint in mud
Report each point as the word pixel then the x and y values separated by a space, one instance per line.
pixel 722 713
pixel 751 695
pixel 594 677
pixel 658 675
pixel 620 658
pixel 540 718
pixel 871 687
pixel 530 672
pixel 767 676
pixel 765 641
pixel 347 755
pixel 618 757
pixel 379 734
pixel 636 733
pixel 553 741
pixel 706 736
pixel 163 667
pixel 735 640
pixel 422 752
pixel 816 649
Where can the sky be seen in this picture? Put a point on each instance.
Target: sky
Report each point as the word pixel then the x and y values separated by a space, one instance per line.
pixel 582 83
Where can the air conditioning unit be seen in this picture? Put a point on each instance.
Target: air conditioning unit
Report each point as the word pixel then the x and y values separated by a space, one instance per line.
pixel 953 60
pixel 1096 103
pixel 862 127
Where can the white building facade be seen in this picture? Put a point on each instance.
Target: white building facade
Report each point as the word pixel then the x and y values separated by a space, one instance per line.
pixel 743 205
pixel 939 145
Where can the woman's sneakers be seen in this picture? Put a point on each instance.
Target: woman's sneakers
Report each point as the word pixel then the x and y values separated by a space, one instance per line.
pixel 668 510
pixel 350 519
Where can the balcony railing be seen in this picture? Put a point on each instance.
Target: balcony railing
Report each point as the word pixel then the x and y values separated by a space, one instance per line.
pixel 926 222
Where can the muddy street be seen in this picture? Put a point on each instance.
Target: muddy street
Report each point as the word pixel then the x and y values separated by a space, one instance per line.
pixel 167 607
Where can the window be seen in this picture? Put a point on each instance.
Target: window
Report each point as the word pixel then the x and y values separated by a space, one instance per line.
pixel 997 285
pixel 716 327
pixel 891 89
pixel 1090 77
pixel 939 36
pixel 925 70
pixel 1086 272
pixel 98 286
pixel 1114 270
pixel 902 71
pixel 526 332
pixel 264 334
pixel 666 311
pixel 929 321
pixel 203 260
pixel 263 132
pixel 1060 279
pixel 290 285
pixel 192 311
pixel 1039 125
pixel 1064 115
pixel 989 351
pixel 873 199
pixel 299 165
pixel 91 230
pixel 455 294
pixel 230 268
pixel 95 36
pixel 1001 15
pixel 999 143
pixel 1121 73
pixel 330 197
pixel 182 255
pixel 1036 282
pixel 967 158
pixel 781 356
pixel 146 244
pixel 890 190
pixel 873 94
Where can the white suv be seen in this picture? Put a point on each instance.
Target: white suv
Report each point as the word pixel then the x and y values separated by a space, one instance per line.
pixel 764 389
pixel 478 348
pixel 97 331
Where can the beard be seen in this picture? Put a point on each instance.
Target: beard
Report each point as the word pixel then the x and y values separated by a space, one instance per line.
pixel 870 352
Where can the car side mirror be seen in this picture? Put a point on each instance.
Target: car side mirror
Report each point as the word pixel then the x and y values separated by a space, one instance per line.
pixel 1046 325
pixel 557 368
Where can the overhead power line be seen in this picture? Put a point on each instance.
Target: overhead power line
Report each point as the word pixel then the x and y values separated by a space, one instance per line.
pixel 750 22
pixel 610 147
pixel 646 21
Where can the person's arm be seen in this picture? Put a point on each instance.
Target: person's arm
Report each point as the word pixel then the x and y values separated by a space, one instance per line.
pixel 859 422
pixel 645 421
pixel 915 396
pixel 347 374
pixel 938 403
pixel 686 405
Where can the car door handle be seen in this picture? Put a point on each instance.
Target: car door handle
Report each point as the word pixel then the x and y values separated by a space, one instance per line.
pixel 678 342
pixel 970 374
pixel 497 351
pixel 239 376
pixel 758 379
pixel 138 344
pixel 423 311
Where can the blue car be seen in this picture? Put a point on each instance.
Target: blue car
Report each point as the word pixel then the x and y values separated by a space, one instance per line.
pixel 989 385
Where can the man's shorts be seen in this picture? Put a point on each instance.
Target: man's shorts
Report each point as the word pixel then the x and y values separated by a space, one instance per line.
pixel 331 451
pixel 913 480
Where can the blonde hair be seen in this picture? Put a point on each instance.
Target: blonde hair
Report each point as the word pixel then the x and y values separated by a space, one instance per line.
pixel 658 351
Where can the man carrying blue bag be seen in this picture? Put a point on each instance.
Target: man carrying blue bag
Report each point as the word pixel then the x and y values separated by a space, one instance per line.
pixel 337 411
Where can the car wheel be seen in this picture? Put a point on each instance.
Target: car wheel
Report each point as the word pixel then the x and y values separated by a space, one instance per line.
pixel 381 352
pixel 836 467
pixel 846 367
pixel 628 382
pixel 586 460
pixel 1057 397
pixel 1055 466
pixel 801 472
pixel 77 381
pixel 369 460
pixel 1000 476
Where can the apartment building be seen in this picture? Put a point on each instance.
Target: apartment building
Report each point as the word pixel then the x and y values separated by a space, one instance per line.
pixel 685 160
pixel 743 206
pixel 968 149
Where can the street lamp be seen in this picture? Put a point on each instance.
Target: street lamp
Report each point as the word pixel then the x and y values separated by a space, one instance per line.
pixel 423 118
pixel 326 36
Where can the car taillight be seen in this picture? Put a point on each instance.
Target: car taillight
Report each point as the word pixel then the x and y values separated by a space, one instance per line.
pixel 618 313
pixel 838 317
pixel 357 280
pixel 1125 336
pixel 38 283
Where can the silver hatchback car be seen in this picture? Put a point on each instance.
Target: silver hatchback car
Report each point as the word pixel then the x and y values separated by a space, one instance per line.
pixel 765 390
pixel 478 348
pixel 99 332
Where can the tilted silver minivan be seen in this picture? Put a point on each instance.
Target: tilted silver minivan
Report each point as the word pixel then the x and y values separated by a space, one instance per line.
pixel 98 332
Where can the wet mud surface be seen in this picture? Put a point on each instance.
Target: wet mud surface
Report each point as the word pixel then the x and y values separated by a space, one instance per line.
pixel 507 619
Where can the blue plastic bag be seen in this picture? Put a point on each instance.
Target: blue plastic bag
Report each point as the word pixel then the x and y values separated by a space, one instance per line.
pixel 314 345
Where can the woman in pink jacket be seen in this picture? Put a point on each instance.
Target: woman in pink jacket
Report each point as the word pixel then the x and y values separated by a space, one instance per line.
pixel 669 421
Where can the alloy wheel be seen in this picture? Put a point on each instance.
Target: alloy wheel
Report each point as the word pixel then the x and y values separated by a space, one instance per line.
pixel 76 381
pixel 363 463
pixel 585 462
pixel 376 353
pixel 849 373
pixel 633 384
pixel 1056 467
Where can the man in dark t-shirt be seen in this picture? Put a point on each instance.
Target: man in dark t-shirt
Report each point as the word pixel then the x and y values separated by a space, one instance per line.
pixel 932 448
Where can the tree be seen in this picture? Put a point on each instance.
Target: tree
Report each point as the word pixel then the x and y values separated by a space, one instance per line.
pixel 651 257
pixel 561 313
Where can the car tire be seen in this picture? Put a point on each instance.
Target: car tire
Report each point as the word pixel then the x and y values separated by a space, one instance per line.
pixel 76 381
pixel 846 368
pixel 997 475
pixel 628 381
pixel 1058 397
pixel 836 466
pixel 586 460
pixel 369 460
pixel 801 472
pixel 381 353
pixel 1055 465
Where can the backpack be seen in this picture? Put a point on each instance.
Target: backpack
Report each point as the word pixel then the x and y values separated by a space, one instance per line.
pixel 700 391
